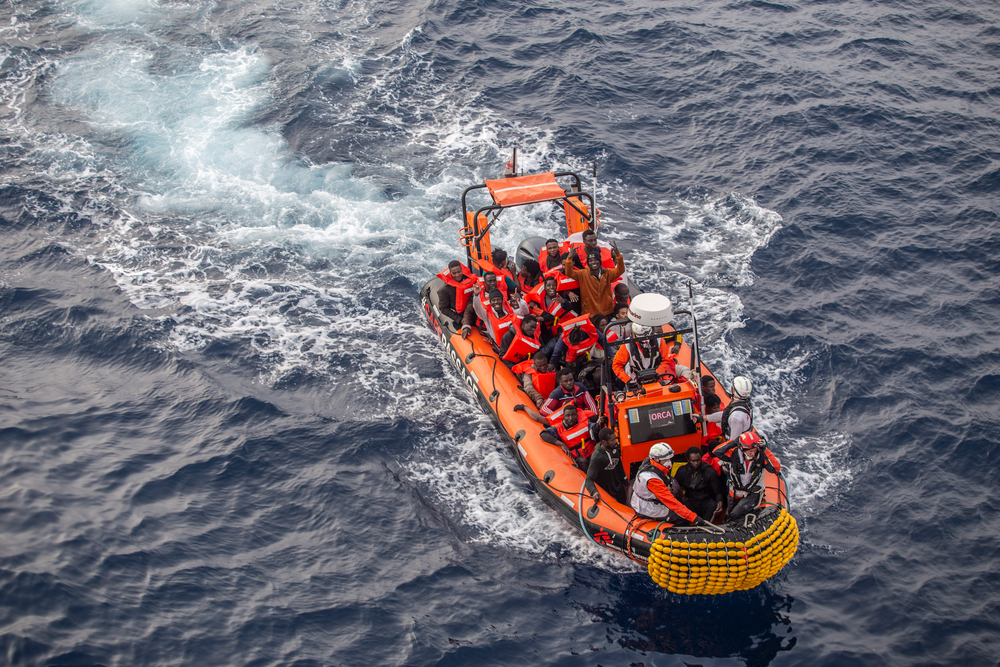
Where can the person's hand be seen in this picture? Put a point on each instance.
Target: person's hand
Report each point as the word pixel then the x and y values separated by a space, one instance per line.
pixel 519 407
pixel 477 288
pixel 614 246
pixel 574 297
pixel 550 369
pixel 596 496
pixel 696 417
pixel 602 421
pixel 718 508
pixel 698 521
pixel 466 331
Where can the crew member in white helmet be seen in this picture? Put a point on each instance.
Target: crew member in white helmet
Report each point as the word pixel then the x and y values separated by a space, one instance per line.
pixel 737 418
pixel 651 494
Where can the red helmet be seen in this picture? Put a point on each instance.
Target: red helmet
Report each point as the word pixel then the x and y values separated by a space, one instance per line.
pixel 750 440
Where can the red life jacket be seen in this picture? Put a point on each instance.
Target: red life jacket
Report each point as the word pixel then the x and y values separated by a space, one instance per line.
pixel 574 352
pixel 562 282
pixel 544 383
pixel 577 437
pixel 536 303
pixel 607 258
pixel 484 295
pixel 499 324
pixel 463 290
pixel 522 347
pixel 525 287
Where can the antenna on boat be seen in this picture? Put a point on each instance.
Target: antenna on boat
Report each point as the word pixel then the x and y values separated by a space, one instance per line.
pixel 593 214
pixel 511 170
pixel 696 360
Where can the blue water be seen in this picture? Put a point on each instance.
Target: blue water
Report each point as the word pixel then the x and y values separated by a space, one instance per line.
pixel 228 438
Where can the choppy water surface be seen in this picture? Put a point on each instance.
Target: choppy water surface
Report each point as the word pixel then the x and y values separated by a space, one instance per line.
pixel 227 437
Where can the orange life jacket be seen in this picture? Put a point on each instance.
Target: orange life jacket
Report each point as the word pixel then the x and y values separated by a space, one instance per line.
pixel 463 290
pixel 499 324
pixel 577 437
pixel 607 258
pixel 522 347
pixel 544 383
pixel 575 351
pixel 562 281
pixel 536 303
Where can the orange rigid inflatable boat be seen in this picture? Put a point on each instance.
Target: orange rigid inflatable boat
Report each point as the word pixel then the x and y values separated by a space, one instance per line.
pixel 684 559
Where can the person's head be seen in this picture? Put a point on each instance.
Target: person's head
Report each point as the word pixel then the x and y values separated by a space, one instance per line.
pixel 622 293
pixel 661 453
pixel 570 416
pixel 552 247
pixel 566 380
pixel 608 438
pixel 594 261
pixel 490 280
pixel 551 286
pixel 528 325
pixel 530 269
pixel 693 456
pixel 577 335
pixel 496 299
pixel 742 387
pixel 455 269
pixel 540 361
pixel 499 258
pixel 621 311
pixel 589 239
pixel 749 443
pixel 712 404
pixel 707 384
pixel 601 322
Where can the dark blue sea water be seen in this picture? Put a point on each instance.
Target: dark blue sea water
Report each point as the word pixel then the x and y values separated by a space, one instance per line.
pixel 228 438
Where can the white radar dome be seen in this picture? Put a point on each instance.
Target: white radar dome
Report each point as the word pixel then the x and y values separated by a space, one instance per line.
pixel 650 310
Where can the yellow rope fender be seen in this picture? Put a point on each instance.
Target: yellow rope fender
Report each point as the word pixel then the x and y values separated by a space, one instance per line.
pixel 697 563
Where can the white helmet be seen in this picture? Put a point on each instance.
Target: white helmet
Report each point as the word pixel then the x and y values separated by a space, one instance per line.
pixel 640 330
pixel 742 387
pixel 660 450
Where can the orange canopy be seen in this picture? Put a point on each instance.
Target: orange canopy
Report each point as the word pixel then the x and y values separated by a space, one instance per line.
pixel 525 189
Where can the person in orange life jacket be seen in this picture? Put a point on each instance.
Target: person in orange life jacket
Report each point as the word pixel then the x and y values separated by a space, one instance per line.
pixel 595 283
pixel 606 467
pixel 702 491
pixel 580 252
pixel 575 434
pixel 573 347
pixel 498 316
pixel 708 386
pixel 548 305
pixel 652 496
pixel 713 437
pixel 601 323
pixel 633 357
pixel 569 391
pixel 456 293
pixel 538 377
pixel 747 457
pixel 622 295
pixel 487 284
pixel 515 348
pixel 618 331
pixel 529 275
pixel 500 261
pixel 552 259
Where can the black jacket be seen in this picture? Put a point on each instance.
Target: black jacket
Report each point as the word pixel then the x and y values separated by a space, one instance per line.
pixel 702 485
pixel 446 304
